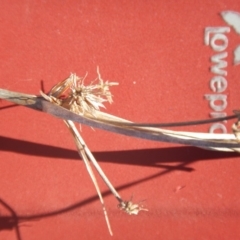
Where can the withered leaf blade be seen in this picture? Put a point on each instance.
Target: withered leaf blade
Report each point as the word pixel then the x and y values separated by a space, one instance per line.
pixel 220 142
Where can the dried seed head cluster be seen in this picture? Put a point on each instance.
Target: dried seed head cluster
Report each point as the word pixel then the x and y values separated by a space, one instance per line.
pixel 72 94
pixel 236 126
pixel 236 130
pixel 131 208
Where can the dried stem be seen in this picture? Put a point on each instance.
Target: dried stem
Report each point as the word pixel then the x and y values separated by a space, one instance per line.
pixel 81 147
pixel 93 160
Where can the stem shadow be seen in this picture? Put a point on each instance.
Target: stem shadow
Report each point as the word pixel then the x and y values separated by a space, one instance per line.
pixel 158 157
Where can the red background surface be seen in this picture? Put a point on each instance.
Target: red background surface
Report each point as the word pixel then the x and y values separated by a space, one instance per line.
pixel 156 52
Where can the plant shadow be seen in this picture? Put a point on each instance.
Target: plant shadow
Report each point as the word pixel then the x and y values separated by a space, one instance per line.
pixel 167 159
pixel 157 157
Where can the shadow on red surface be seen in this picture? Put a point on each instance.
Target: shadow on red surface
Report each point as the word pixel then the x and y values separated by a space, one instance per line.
pixel 9 222
pixel 141 157
pixel 182 156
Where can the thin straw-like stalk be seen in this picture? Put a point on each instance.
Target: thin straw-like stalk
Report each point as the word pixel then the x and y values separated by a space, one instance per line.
pixel 94 162
pixel 81 150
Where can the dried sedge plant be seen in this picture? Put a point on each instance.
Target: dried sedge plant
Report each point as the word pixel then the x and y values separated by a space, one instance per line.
pixel 73 95
pixel 71 101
